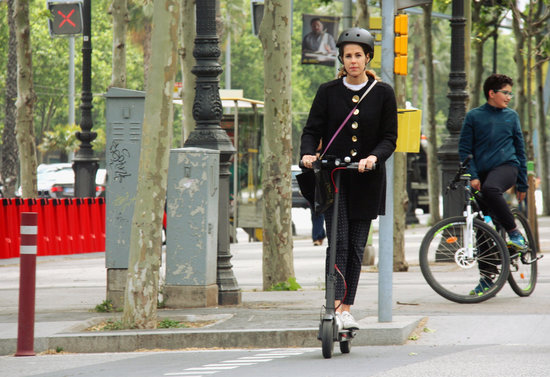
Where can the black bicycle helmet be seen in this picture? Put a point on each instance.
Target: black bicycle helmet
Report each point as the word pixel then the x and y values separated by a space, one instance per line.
pixel 356 35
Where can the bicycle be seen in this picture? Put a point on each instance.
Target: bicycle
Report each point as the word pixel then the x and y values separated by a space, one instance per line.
pixel 460 252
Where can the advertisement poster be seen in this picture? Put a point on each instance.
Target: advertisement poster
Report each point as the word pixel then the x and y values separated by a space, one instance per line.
pixel 319 35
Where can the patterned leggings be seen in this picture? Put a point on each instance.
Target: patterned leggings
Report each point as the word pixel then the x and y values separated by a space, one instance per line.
pixel 351 240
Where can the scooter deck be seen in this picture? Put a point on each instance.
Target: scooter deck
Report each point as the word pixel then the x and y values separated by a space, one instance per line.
pixel 347 335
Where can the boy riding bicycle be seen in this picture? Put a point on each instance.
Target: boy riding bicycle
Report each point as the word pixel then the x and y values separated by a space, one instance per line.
pixel 492 134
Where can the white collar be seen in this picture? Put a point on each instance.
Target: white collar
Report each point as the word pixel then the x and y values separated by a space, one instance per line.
pixel 353 87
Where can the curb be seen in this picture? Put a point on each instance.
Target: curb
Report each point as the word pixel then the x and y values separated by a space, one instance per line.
pixel 371 333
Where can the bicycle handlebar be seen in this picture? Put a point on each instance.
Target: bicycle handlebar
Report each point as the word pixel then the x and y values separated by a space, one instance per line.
pixel 452 185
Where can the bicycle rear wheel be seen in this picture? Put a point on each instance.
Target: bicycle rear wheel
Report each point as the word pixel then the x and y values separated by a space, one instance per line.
pixel 449 271
pixel 523 265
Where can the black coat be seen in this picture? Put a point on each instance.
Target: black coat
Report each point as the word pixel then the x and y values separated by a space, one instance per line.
pixel 372 131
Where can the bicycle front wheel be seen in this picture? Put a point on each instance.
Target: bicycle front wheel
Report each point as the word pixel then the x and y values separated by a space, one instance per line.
pixel 523 264
pixel 453 273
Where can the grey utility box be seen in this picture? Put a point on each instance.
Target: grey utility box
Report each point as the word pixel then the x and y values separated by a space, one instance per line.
pixel 192 228
pixel 124 113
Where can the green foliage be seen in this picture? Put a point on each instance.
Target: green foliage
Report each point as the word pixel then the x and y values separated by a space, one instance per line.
pixel 105 307
pixel 170 324
pixel 51 65
pixel 289 285
pixel 61 138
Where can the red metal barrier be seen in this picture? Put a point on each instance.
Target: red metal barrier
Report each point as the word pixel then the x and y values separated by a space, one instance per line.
pixel 5 240
pixel 66 226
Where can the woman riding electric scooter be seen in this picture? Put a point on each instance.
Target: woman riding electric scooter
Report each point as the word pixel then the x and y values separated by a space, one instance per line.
pixel 358 128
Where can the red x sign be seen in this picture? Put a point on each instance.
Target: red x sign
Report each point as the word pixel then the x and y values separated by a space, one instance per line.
pixel 66 18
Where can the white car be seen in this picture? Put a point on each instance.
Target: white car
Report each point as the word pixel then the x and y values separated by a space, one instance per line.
pixel 57 181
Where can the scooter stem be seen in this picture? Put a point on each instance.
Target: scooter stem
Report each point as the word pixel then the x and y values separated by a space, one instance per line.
pixel 331 272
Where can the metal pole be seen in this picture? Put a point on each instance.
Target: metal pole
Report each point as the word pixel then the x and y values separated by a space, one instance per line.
pixel 71 81
pixel 385 257
pixel 207 111
pixel 347 14
pixel 346 24
pixel 236 171
pixel 84 163
pixel 448 153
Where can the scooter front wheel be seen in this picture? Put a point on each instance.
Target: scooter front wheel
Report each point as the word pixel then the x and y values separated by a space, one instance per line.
pixel 327 338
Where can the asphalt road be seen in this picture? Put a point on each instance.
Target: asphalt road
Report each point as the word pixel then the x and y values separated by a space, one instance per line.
pixel 411 360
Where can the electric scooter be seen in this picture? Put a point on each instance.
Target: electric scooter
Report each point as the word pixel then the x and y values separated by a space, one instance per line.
pixel 328 327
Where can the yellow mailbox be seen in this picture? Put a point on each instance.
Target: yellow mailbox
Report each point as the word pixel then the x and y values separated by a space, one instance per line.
pixel 408 130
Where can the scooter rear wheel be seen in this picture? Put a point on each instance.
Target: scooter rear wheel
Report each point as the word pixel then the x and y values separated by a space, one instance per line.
pixel 345 346
pixel 327 341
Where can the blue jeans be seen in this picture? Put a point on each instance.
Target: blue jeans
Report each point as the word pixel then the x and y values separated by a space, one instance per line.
pixel 318 226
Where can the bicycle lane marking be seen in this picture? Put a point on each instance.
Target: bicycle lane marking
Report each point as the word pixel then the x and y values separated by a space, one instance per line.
pixel 263 357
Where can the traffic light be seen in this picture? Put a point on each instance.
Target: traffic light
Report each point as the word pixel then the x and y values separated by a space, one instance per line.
pixel 66 18
pixel 401 29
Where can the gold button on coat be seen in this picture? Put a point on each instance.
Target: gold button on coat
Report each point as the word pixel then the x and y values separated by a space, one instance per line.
pixel 354 125
pixel 355 98
pixel 353 153
pixel 354 139
pixel 356 112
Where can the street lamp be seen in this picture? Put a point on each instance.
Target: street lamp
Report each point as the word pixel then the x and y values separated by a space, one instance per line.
pixel 84 163
pixel 207 112
pixel 448 152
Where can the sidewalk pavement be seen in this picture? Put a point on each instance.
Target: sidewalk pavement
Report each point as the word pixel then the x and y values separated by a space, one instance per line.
pixel 69 287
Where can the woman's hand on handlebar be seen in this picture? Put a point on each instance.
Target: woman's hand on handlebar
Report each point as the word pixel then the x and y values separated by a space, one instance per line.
pixel 367 164
pixel 308 160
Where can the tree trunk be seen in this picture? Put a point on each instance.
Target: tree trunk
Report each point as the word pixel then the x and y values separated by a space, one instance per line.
pixel 119 11
pixel 475 88
pixel 278 264
pixel 543 141
pixel 431 129
pixel 363 18
pixel 520 67
pixel 478 43
pixel 417 62
pixel 187 62
pixel 142 286
pixel 400 197
pixel 9 142
pixel 401 202
pixel 26 99
pixel 147 30
pixel 529 94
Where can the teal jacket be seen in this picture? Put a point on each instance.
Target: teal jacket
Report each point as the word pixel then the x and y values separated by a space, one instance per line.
pixel 493 137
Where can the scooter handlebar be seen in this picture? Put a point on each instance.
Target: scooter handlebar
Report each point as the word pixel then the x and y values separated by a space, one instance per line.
pixel 335 163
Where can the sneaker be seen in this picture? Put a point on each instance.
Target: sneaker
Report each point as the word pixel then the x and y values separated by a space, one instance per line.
pixel 484 285
pixel 348 321
pixel 339 322
pixel 517 241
